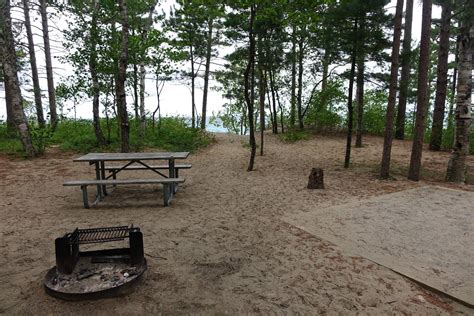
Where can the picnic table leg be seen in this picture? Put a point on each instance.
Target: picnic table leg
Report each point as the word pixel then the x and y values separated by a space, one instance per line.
pixel 97 176
pixel 102 175
pixel 85 198
pixel 167 192
pixel 172 174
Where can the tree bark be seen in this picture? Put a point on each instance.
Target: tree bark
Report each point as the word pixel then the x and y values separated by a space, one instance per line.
pixel 135 91
pixel 392 95
pixel 9 62
pixel 8 103
pixel 350 109
pixel 457 166
pixel 422 89
pixel 272 89
pixel 360 99
pixel 193 102
pixel 453 91
pixel 49 65
pixel 441 79
pixel 249 70
pixel 34 68
pixel 300 81
pixel 94 78
pixel 144 36
pixel 120 82
pixel 206 73
pixel 293 79
pixel 405 76
pixel 261 92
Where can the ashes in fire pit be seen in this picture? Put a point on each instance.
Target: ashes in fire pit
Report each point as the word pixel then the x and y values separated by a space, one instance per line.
pixel 96 273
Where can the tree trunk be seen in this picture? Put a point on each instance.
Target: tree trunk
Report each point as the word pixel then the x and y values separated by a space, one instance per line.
pixel 453 91
pixel 282 114
pixel 300 82
pixel 392 95
pixel 326 61
pixel 34 68
pixel 261 92
pixel 144 36
pixel 293 79
pixel 272 89
pixel 360 99
pixel 49 66
pixel 120 82
pixel 135 91
pixel 423 97
pixel 9 62
pixel 405 76
pixel 193 103
pixel 94 78
pixel 8 103
pixel 457 166
pixel 350 109
pixel 249 70
pixel 206 73
pixel 441 79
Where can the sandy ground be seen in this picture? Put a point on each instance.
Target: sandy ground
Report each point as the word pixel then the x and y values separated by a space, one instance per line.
pixel 222 246
pixel 424 233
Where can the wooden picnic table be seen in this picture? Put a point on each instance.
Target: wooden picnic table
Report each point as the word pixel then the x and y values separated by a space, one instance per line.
pixel 131 161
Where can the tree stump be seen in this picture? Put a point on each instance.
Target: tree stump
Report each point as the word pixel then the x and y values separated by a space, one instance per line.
pixel 316 179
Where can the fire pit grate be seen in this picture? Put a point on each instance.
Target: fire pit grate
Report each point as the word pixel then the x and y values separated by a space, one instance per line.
pixel 99 235
pixel 96 273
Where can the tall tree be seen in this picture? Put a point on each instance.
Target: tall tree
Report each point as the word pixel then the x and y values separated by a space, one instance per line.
pixel 457 165
pixel 388 136
pixel 423 97
pixel 350 109
pixel 248 85
pixel 442 77
pixel 34 68
pixel 9 62
pixel 120 81
pixel 293 78
pixel 360 98
pixel 93 38
pixel 210 25
pixel 405 76
pixel 49 64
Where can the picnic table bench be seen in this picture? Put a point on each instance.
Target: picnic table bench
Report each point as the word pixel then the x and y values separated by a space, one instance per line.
pixel 133 161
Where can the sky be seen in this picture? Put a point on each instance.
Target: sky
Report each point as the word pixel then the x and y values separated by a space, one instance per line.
pixel 176 96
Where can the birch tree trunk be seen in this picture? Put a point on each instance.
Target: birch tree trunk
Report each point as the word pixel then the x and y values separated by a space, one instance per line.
pixel 206 73
pixel 34 68
pixel 392 94
pixel 423 97
pixel 457 166
pixel 120 82
pixel 8 103
pixel 49 65
pixel 405 76
pixel 441 78
pixel 9 62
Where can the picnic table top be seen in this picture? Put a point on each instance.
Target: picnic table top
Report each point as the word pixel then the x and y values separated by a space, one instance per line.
pixel 132 156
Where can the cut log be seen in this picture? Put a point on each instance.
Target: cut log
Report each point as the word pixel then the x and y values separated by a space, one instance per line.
pixel 316 179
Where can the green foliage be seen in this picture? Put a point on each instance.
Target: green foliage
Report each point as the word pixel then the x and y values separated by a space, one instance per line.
pixel 375 104
pixel 40 136
pixel 9 142
pixel 295 135
pixel 171 134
